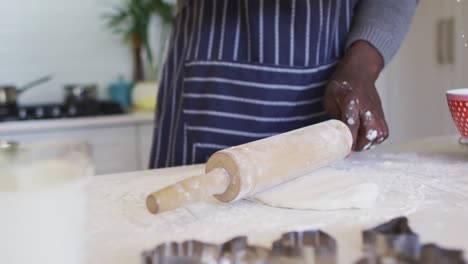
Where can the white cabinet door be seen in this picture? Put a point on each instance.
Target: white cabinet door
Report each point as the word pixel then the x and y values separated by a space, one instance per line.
pixel 145 141
pixel 114 148
pixel 413 85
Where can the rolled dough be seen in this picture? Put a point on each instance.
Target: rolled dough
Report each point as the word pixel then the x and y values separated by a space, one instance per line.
pixel 326 189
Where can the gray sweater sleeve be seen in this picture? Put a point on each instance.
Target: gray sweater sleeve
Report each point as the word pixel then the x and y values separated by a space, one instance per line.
pixel 383 23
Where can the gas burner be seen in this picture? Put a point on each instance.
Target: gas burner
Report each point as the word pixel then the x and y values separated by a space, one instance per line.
pixel 54 111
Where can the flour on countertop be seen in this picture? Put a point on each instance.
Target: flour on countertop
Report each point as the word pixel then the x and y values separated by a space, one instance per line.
pixel 407 183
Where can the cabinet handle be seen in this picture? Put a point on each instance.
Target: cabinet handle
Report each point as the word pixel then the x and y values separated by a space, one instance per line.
pixel 450 39
pixel 440 42
pixel 445 42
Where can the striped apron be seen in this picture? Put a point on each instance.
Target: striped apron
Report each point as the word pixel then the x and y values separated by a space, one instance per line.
pixel 242 70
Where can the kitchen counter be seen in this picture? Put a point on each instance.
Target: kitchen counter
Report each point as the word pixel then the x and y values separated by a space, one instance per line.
pixel 120 143
pixel 31 126
pixel 426 180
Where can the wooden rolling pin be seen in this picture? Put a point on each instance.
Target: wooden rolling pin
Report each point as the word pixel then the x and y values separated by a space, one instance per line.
pixel 241 171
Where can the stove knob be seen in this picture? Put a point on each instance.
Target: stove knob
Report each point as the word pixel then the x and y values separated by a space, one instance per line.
pixel 56 111
pixel 22 113
pixel 39 112
pixel 72 110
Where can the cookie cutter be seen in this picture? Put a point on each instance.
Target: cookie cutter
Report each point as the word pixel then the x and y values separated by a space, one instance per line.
pixel 304 247
pixel 395 242
pixel 394 239
pixel 236 250
pixel 433 254
pixel 293 248
pixel 392 242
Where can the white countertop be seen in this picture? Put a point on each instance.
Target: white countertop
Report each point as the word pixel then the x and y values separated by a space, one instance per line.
pixel 425 180
pixel 14 127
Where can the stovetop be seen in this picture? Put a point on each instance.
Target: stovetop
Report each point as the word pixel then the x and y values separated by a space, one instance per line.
pixel 55 111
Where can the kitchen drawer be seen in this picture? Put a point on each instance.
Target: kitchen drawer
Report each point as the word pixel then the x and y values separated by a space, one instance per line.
pixel 114 148
pixel 144 141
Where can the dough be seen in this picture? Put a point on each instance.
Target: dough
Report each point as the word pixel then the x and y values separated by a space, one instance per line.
pixel 326 189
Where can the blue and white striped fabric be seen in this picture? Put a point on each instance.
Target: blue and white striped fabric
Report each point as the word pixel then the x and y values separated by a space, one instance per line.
pixel 242 70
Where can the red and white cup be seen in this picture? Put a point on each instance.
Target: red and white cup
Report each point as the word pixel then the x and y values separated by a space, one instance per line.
pixel 458 105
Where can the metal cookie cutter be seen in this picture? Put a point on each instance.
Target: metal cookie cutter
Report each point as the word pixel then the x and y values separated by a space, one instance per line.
pixel 236 250
pixel 432 254
pixel 292 248
pixel 304 247
pixel 395 242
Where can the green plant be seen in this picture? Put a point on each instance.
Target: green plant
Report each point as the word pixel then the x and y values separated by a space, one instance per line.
pixel 131 20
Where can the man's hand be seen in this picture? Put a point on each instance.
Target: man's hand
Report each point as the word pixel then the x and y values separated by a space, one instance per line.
pixel 351 96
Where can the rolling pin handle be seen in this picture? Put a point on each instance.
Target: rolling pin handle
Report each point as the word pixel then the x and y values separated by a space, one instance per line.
pixel 152 203
pixel 198 188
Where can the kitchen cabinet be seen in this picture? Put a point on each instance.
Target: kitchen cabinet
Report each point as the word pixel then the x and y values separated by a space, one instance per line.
pixel 144 138
pixel 413 85
pixel 119 143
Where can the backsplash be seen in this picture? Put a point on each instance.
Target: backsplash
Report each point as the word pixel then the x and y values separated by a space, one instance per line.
pixel 65 38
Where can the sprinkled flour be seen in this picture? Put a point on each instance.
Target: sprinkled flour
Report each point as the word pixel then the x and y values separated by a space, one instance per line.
pixel 408 183
pixel 371 135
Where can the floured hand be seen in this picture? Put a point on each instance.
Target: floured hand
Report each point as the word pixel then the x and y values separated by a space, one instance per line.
pixel 352 97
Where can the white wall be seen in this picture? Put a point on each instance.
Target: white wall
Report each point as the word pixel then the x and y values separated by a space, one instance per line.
pixel 65 37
